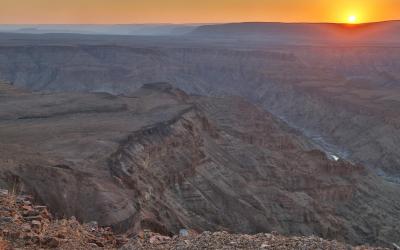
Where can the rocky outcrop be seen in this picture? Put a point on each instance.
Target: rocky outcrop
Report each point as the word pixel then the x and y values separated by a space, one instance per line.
pixel 25 225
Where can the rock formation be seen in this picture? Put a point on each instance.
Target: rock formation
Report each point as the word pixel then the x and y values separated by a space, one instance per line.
pixel 25 225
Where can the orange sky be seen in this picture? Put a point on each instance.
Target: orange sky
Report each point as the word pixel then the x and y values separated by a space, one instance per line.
pixel 194 11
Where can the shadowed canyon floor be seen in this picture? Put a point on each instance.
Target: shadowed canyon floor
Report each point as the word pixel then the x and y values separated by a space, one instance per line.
pixel 160 159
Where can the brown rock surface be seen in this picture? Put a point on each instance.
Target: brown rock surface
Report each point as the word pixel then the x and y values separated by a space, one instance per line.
pixel 19 232
pixel 224 240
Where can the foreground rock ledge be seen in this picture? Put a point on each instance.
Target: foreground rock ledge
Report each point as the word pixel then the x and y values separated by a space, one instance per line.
pixel 24 225
pixel 224 240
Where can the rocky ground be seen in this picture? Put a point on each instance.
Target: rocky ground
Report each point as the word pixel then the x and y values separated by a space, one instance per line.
pixel 27 226
pixel 24 225
pixel 224 240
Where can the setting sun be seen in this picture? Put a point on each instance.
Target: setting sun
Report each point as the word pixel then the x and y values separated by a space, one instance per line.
pixel 352 19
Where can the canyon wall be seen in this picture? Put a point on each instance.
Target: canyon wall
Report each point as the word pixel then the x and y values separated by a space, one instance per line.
pixel 347 95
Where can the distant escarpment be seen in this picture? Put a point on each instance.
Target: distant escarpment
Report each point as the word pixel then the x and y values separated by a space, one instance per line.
pixel 162 160
pixel 292 33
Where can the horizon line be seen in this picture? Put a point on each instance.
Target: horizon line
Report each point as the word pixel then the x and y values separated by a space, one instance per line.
pixel 194 23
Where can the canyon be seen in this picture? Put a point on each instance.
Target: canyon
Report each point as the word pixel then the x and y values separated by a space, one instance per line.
pixel 334 92
pixel 205 132
pixel 162 160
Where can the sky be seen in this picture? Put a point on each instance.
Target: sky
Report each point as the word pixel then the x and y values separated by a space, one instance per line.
pixel 194 11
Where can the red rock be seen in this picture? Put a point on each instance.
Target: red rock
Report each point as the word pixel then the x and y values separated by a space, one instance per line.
pixel 159 239
pixel 36 223
pixel 26 227
pixel 97 242
pixel 51 242
pixel 27 207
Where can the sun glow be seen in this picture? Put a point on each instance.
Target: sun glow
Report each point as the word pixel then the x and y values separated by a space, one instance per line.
pixel 196 11
pixel 352 19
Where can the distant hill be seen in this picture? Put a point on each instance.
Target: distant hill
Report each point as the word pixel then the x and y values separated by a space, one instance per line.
pixel 381 31
pixel 117 29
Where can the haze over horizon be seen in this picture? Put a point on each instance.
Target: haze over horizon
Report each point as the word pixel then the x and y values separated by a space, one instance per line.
pixel 206 11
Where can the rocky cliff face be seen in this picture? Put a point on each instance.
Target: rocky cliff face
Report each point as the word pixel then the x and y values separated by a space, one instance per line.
pixel 162 160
